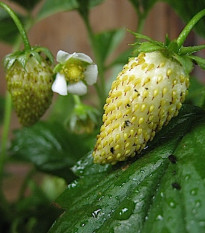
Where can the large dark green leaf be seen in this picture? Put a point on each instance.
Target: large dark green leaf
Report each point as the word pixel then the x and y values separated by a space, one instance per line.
pixel 8 30
pixel 55 6
pixel 187 9
pixel 49 147
pixel 162 191
pixel 27 4
pixel 107 41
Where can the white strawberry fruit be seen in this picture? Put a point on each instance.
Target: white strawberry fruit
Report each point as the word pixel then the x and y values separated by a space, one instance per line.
pixel 146 95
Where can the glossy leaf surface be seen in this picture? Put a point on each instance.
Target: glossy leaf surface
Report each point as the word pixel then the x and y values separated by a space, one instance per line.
pixel 161 191
pixel 49 147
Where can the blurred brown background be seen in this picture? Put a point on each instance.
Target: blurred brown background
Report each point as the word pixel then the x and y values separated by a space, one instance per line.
pixel 66 31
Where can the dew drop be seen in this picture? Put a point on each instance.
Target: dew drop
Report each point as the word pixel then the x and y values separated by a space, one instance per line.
pixel 198 204
pixel 187 177
pixel 82 224
pixel 193 192
pixel 172 204
pixel 159 217
pixel 126 210
pixel 162 194
pixel 73 185
pixel 95 213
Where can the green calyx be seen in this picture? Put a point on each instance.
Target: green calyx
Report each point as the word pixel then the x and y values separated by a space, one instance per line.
pixel 39 53
pixel 84 118
pixel 174 49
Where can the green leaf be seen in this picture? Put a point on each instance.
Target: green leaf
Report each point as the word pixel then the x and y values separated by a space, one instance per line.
pixel 162 191
pixel 143 6
pixel 27 4
pixel 93 3
pixel 106 42
pixel 51 7
pixel 187 9
pixel 49 147
pixel 8 29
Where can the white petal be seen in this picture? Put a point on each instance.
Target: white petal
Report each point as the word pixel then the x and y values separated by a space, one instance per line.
pixel 78 88
pixel 63 56
pixel 91 74
pixel 83 57
pixel 60 86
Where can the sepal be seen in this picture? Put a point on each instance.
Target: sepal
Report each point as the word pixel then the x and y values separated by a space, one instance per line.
pixel 39 53
pixel 146 47
pixel 191 49
pixel 84 119
pixel 199 61
pixel 185 61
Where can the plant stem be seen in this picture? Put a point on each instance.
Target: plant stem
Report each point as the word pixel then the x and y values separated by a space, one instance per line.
pixel 183 35
pixel 141 22
pixel 77 99
pixel 6 124
pixel 18 24
pixel 102 89
pixel 25 183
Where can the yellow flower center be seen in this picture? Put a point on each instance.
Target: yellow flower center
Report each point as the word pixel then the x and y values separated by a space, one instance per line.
pixel 74 70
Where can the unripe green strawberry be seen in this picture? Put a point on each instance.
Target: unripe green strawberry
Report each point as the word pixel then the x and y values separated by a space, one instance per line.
pixel 30 88
pixel 147 93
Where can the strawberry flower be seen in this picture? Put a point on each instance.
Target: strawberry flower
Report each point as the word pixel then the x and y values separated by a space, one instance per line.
pixel 74 72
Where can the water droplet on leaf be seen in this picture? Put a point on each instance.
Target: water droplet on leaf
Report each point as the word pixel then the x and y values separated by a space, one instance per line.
pixel 172 204
pixel 159 217
pixel 193 192
pixel 198 203
pixel 95 213
pixel 187 177
pixel 126 210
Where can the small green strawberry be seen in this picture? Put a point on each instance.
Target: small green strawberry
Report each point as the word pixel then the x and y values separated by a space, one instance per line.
pixel 146 95
pixel 29 79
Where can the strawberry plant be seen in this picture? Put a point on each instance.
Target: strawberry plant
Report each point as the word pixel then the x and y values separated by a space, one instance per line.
pixel 125 155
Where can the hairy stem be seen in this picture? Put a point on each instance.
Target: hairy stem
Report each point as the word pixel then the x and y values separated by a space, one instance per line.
pixel 18 24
